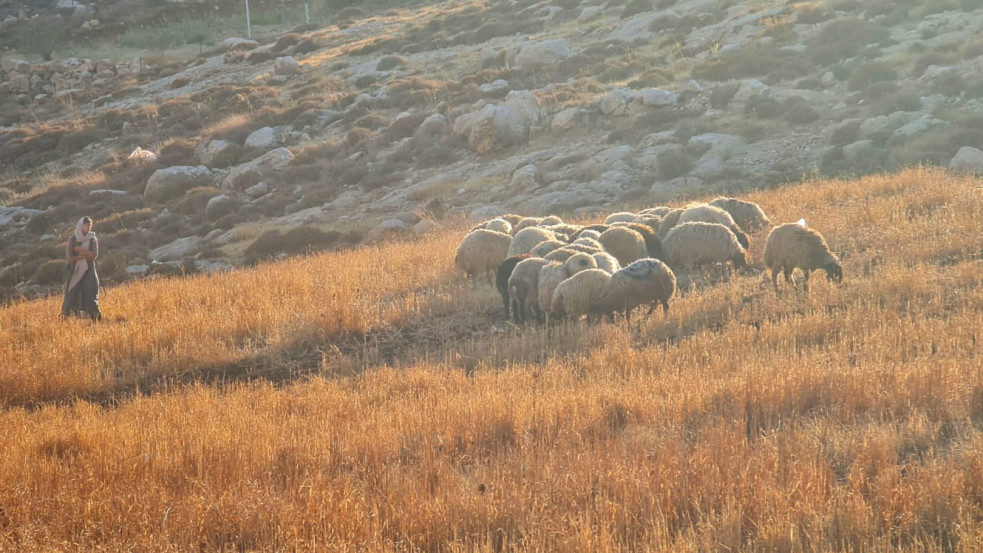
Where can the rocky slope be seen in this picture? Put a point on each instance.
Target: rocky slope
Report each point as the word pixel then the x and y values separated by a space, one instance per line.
pixel 391 123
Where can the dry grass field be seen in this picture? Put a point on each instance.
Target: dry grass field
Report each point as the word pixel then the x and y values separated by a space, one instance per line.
pixel 373 401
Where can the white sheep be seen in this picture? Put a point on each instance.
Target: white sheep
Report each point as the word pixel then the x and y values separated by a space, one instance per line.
pixel 669 220
pixel 564 231
pixel 527 239
pixel 575 296
pixel 620 217
pixel 624 244
pixel 748 215
pixel 551 275
pixel 696 243
pixel 523 288
pixel 481 252
pixel 606 262
pixel 550 220
pixel 588 241
pixel 659 211
pixel 588 233
pixel 792 245
pixel 498 225
pixel 644 282
pixel 525 222
pixel 710 214
pixel 546 247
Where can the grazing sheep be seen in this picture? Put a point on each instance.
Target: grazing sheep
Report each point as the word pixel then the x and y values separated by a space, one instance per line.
pixel 512 218
pixel 527 239
pixel 482 251
pixel 550 220
pixel 526 222
pixel 546 247
pixel 560 255
pixel 575 296
pixel 550 276
pixel 710 214
pixel 659 211
pixel 597 227
pixel 620 217
pixel 585 247
pixel 502 276
pixel 748 215
pixel 606 262
pixel 697 243
pixel 646 281
pixel 497 224
pixel 563 231
pixel 524 288
pixel 588 241
pixel 653 246
pixel 669 220
pixel 587 233
pixel 624 244
pixel 792 245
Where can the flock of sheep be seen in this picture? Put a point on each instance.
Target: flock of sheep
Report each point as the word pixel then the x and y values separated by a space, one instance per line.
pixel 547 269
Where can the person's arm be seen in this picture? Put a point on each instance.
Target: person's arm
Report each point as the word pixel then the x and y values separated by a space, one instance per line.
pixel 95 249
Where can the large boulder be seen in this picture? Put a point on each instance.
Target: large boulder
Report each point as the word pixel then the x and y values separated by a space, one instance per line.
pixel 967 160
pixel 250 173
pixel 171 182
pixel 537 55
pixel 503 125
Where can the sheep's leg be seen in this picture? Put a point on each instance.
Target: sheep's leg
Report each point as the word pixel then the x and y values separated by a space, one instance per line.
pixel 805 281
pixel 665 307
pixel 788 277
pixel 774 279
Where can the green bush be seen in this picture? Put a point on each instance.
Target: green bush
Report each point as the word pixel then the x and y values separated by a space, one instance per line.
pixel 843 38
pixel 300 240
pixel 673 163
pixel 50 272
pixel 870 73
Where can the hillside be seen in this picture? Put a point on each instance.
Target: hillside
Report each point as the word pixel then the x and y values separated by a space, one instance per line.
pixel 372 400
pixel 391 120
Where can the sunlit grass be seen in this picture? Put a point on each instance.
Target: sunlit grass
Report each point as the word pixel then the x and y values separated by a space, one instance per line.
pixel 372 401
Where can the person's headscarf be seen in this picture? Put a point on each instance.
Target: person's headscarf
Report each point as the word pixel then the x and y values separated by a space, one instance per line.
pixel 82 239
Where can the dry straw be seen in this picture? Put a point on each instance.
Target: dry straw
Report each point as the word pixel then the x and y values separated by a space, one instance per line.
pixel 371 401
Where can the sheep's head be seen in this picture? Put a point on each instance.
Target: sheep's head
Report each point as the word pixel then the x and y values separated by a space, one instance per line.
pixel 834 272
pixel 740 260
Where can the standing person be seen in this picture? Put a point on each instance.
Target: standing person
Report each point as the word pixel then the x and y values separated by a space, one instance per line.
pixel 82 288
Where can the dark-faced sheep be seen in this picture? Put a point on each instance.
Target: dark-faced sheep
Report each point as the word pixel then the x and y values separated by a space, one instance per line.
pixel 792 245
pixel 653 246
pixel 502 276
pixel 481 252
pixel 645 282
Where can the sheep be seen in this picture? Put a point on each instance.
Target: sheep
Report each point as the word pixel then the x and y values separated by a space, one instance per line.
pixel 585 247
pixel 606 262
pixel 588 241
pixel 587 233
pixel 482 251
pixel 696 243
pixel 646 281
pixel 564 230
pixel 550 220
pixel 575 296
pixel 546 247
pixel 653 246
pixel 659 211
pixel 550 276
pixel 624 244
pixel 497 224
pixel 525 222
pixel 748 215
pixel 620 217
pixel 527 239
pixel 523 286
pixel 512 218
pixel 502 276
pixel 597 227
pixel 669 220
pixel 792 245
pixel 710 214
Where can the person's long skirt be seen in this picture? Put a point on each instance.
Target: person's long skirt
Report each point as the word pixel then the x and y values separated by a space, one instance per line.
pixel 83 299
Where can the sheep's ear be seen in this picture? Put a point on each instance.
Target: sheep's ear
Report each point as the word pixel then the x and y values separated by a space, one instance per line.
pixel 801 223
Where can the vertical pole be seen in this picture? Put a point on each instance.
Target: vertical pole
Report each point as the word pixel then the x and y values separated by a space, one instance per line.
pixel 307 10
pixel 249 27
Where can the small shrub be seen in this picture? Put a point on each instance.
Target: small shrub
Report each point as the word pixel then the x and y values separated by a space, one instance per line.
pixel 812 14
pixel 50 272
pixel 950 83
pixel 843 38
pixel 800 113
pixel 124 220
pixel 388 63
pixel 870 73
pixel 721 95
pixel 300 240
pixel 673 163
pixel 764 106
pixel 635 7
pixel 284 42
pixel 847 133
